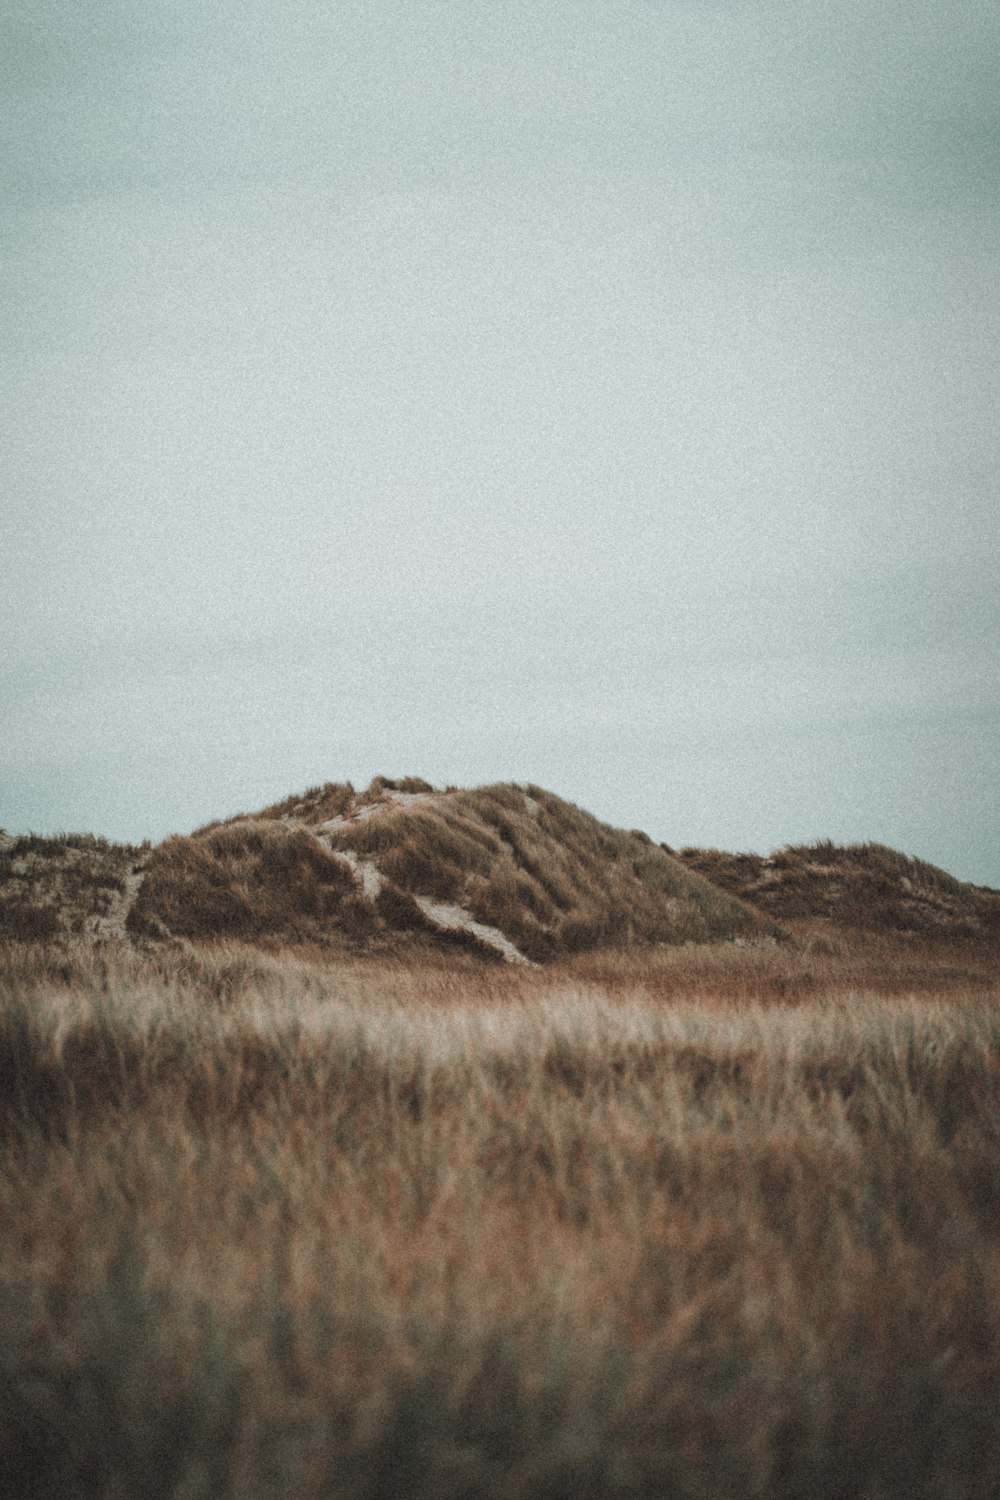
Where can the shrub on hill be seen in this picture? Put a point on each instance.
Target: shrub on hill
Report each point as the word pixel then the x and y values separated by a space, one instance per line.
pixel 27 921
pixel 329 800
pixel 56 886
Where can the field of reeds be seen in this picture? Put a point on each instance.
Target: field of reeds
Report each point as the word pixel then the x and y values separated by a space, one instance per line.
pixel 695 1222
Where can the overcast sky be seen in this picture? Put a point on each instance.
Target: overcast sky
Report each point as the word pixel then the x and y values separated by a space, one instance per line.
pixel 597 394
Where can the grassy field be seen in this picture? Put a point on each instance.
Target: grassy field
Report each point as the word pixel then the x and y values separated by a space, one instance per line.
pixel 691 1222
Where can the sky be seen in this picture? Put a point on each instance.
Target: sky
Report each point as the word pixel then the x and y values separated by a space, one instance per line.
pixel 595 393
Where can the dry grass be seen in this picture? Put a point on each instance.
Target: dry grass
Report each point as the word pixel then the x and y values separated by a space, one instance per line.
pixel 865 886
pixel 62 885
pixel 550 877
pixel 330 800
pixel 623 1227
pixel 255 880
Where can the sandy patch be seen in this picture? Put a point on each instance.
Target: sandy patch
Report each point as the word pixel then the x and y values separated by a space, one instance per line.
pixel 453 918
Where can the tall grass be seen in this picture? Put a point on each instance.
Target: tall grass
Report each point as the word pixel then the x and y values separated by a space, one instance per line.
pixel 251 879
pixel 278 1228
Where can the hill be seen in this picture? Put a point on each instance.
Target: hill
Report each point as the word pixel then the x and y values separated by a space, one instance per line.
pixel 511 872
pixel 866 887
pixel 514 872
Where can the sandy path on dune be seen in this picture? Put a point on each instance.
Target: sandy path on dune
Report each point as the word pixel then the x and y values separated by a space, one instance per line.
pixel 112 925
pixel 446 916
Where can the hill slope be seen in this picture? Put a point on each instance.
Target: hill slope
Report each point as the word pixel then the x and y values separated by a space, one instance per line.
pixel 67 886
pixel 514 872
pixel 868 887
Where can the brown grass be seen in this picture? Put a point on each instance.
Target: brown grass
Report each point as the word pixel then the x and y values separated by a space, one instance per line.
pixel 26 920
pixel 329 800
pixel 248 879
pixel 51 886
pixel 551 877
pixel 865 886
pixel 622 1227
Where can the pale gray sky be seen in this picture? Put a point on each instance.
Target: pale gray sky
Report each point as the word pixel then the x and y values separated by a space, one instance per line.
pixel 598 394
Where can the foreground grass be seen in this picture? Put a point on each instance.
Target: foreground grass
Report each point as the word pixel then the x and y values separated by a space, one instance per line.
pixel 647 1228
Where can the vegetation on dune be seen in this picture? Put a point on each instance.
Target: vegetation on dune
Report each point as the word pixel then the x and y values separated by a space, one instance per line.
pixel 864 886
pixel 400 866
pixel 329 800
pixel 520 861
pixel 62 885
pixel 370 1229
pixel 551 877
pixel 248 879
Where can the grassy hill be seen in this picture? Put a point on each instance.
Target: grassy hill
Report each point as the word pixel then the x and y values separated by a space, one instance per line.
pixel 868 887
pixel 511 872
pixel 515 872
